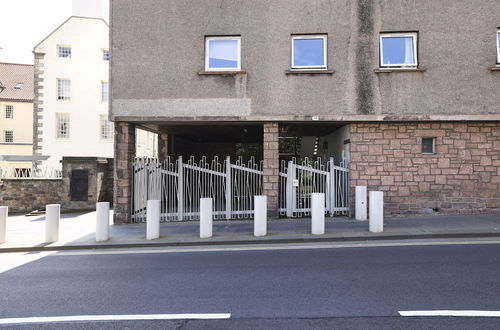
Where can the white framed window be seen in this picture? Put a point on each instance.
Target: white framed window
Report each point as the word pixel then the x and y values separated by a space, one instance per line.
pixel 398 50
pixel 9 111
pixel 62 125
pixel 106 128
pixel 8 136
pixel 498 47
pixel 63 89
pixel 309 52
pixel 105 54
pixel 104 91
pixel 222 53
pixel 64 51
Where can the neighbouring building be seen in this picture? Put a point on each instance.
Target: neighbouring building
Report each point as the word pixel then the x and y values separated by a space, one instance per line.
pixel 16 119
pixel 71 91
pixel 406 92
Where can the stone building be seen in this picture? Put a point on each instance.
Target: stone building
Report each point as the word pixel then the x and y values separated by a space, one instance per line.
pixel 407 91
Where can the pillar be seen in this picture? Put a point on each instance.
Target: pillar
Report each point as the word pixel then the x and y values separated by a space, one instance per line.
pixel 162 146
pixel 271 168
pixel 124 156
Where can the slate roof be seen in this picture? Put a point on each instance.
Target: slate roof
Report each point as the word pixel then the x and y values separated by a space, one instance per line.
pixel 12 74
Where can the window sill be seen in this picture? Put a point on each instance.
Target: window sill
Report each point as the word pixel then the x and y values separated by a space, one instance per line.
pixel 389 70
pixel 220 73
pixel 309 71
pixel 495 68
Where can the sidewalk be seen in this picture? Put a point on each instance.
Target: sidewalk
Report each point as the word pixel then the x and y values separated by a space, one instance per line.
pixel 77 231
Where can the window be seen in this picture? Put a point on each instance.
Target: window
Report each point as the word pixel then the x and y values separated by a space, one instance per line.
pixel 309 52
pixel 104 91
pixel 9 112
pixel 64 51
pixel 19 85
pixel 223 54
pixel 398 50
pixel 8 136
pixel 105 54
pixel 62 125
pixel 498 46
pixel 106 131
pixel 428 145
pixel 63 89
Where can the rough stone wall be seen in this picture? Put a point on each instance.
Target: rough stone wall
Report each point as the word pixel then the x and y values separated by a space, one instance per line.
pixel 25 195
pixel 271 168
pixel 462 176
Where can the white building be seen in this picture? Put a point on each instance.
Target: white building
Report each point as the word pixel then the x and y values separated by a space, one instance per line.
pixel 71 92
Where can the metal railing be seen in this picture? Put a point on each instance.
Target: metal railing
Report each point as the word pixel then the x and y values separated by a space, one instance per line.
pixel 27 173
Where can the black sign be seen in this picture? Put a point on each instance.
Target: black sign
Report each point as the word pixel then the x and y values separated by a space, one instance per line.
pixel 79 185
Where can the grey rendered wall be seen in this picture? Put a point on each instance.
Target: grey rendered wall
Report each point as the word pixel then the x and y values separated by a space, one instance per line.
pixel 158 50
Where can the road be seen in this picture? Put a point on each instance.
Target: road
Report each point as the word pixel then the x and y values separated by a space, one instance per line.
pixel 292 288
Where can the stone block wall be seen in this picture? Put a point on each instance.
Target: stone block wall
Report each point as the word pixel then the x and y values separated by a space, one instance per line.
pixel 25 195
pixel 462 176
pixel 271 168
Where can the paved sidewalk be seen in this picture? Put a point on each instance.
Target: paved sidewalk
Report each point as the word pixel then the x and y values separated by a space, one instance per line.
pixel 77 231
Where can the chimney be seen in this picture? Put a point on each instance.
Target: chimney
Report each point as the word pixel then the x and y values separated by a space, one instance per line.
pixel 88 8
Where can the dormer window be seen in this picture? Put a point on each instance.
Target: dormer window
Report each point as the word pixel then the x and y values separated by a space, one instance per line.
pixel 19 85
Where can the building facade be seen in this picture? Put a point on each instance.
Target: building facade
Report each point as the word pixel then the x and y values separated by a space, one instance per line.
pixel 405 91
pixel 71 92
pixel 16 118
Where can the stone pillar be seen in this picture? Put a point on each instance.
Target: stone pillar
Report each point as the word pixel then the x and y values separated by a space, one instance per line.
pixel 124 155
pixel 162 146
pixel 271 168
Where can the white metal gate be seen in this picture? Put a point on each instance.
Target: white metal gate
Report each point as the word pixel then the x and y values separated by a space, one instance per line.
pixel 299 181
pixel 232 187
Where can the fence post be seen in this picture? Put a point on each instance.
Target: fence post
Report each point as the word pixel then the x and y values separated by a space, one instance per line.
pixel 206 215
pixel 317 213
pixel 4 214
pixel 228 188
pixel 153 220
pixel 290 189
pixel 330 197
pixel 260 220
pixel 376 211
pixel 180 189
pixel 52 216
pixel 102 222
pixel 360 208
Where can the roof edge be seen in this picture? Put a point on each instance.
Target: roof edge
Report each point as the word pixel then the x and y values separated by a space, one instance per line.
pixel 21 64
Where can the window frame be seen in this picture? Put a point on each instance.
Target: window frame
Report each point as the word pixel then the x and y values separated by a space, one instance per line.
pixel 498 46
pixel 11 136
pixel 102 91
pixel 207 53
pixel 58 114
pixel 433 145
pixel 104 50
pixel 59 47
pixel 325 51
pixel 63 98
pixel 413 35
pixel 10 110
pixel 109 128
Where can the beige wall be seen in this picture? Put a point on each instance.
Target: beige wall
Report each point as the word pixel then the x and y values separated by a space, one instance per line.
pixel 22 126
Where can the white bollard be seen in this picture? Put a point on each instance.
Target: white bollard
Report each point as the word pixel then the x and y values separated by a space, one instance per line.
pixel 260 221
pixel 318 213
pixel 153 220
pixel 52 216
pixel 206 221
pixel 376 211
pixel 361 206
pixel 4 214
pixel 102 222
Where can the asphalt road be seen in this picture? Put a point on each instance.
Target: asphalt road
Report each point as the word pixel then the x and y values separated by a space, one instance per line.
pixel 290 289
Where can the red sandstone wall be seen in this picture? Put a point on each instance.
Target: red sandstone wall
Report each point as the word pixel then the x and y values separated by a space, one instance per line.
pixel 463 176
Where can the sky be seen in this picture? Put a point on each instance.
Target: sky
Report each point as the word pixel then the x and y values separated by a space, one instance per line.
pixel 24 23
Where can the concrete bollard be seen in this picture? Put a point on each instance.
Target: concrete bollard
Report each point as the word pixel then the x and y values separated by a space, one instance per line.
pixel 102 222
pixel 153 220
pixel 4 214
pixel 206 215
pixel 260 221
pixel 318 213
pixel 52 216
pixel 361 206
pixel 376 211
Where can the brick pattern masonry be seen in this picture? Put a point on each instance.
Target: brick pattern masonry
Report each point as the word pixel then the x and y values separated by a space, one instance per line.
pixel 462 176
pixel 271 167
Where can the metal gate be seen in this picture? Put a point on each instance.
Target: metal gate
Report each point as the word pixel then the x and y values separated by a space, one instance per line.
pixel 179 187
pixel 299 181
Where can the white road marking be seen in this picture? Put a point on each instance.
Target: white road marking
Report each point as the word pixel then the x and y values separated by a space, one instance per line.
pixel 303 246
pixel 137 317
pixel 451 313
